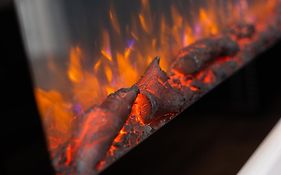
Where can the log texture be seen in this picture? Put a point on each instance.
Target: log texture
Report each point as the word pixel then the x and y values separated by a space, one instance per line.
pixel 94 133
pixel 192 58
pixel 160 97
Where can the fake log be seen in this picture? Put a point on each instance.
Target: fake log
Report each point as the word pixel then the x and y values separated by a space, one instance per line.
pixel 242 30
pixel 94 133
pixel 158 94
pixel 192 58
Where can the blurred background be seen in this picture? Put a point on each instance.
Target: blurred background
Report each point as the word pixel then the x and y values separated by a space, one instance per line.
pixel 214 136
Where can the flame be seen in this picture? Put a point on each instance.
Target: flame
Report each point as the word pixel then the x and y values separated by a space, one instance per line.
pixel 126 70
pixel 124 54
pixel 145 16
pixel 208 22
pixel 97 66
pixel 108 73
pixel 114 20
pixel 75 72
pixel 106 49
pixel 56 115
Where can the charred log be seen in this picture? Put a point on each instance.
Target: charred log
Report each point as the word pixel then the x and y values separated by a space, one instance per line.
pixel 242 30
pixel 263 41
pixel 192 58
pixel 94 133
pixel 160 97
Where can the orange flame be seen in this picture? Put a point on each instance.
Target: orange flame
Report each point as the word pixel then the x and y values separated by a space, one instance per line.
pixel 208 21
pixel 75 72
pixel 56 115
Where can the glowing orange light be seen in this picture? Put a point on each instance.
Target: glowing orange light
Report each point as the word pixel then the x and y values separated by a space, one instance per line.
pixel 56 116
pixel 108 73
pixel 210 77
pixel 75 72
pixel 106 55
pixel 114 20
pixel 208 22
pixel 127 72
pixel 97 66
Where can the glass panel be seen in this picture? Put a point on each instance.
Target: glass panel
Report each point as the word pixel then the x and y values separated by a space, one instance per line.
pixel 81 51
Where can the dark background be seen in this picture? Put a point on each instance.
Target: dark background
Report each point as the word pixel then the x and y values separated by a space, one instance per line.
pixel 214 136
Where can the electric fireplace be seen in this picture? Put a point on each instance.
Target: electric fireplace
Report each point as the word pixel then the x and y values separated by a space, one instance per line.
pixel 109 74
